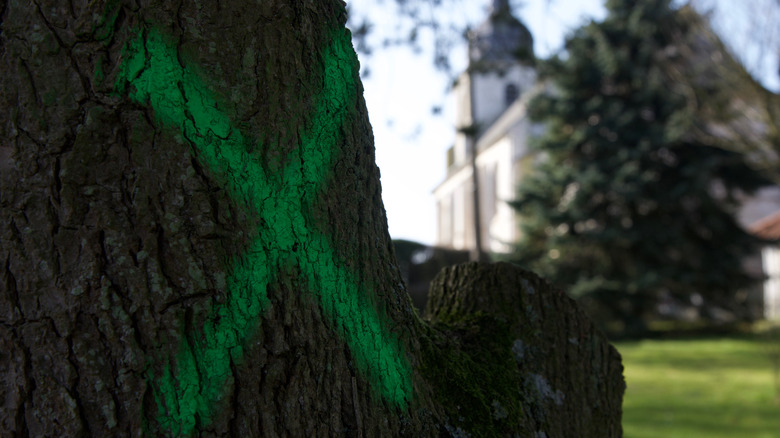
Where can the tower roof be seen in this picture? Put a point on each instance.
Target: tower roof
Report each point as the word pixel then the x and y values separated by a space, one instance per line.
pixel 500 39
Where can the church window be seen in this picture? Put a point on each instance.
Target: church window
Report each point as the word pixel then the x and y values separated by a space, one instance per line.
pixel 510 94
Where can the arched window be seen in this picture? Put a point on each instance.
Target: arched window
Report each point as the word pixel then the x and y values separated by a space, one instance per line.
pixel 510 94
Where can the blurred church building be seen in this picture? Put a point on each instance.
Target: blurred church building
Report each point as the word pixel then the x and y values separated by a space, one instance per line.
pixel 491 99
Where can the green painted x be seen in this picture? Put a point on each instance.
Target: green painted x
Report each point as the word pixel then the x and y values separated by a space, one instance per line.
pixel 188 389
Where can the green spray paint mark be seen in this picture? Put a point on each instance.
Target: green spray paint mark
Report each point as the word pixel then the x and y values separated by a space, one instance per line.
pixel 188 390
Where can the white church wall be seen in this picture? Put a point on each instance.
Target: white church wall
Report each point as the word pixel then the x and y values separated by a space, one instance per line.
pixel 771 262
pixel 444 213
pixel 498 228
pixel 520 134
pixel 500 147
pixel 490 91
pixel 453 198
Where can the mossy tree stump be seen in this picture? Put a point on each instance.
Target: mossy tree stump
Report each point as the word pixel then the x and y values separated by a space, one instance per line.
pixel 519 356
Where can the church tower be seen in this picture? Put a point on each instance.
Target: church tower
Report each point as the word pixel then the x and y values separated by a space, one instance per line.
pixel 501 68
pixel 490 120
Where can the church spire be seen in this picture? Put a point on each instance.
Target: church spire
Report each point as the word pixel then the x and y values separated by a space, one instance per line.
pixel 500 39
pixel 500 6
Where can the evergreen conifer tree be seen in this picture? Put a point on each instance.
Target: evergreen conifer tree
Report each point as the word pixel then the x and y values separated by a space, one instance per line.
pixel 627 202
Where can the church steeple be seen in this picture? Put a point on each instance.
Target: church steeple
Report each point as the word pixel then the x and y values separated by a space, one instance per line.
pixel 502 39
pixel 500 6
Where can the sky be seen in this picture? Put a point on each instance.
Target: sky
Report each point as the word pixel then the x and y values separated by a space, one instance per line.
pixel 402 88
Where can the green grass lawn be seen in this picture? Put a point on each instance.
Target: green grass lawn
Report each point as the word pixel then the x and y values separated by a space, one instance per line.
pixel 699 388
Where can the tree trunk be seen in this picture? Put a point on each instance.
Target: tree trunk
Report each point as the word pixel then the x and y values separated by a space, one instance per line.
pixel 193 244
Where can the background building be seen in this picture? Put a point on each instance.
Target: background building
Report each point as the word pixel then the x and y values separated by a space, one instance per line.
pixel 491 98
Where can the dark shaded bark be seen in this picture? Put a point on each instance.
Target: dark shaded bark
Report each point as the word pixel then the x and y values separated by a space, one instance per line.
pixel 152 285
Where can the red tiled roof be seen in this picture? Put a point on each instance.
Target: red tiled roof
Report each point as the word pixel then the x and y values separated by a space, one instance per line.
pixel 768 227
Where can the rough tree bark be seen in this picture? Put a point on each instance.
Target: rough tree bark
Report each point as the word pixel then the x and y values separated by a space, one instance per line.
pixel 193 243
